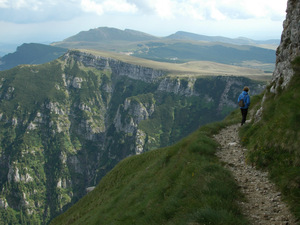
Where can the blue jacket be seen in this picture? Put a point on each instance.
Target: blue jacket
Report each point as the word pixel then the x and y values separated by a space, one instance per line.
pixel 246 98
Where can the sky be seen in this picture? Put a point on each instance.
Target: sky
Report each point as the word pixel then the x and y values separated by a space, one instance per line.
pixel 46 21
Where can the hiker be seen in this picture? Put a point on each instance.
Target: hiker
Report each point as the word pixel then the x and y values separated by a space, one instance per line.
pixel 244 103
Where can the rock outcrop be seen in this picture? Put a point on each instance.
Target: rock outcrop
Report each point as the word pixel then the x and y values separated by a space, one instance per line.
pixel 287 51
pixel 289 47
pixel 117 67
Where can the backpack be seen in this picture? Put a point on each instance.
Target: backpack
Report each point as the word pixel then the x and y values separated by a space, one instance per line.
pixel 242 103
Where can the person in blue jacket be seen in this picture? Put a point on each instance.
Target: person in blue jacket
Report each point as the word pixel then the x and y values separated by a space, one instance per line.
pixel 244 110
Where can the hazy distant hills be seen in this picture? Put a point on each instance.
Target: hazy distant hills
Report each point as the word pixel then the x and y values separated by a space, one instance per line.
pixel 182 35
pixel 31 54
pixel 113 34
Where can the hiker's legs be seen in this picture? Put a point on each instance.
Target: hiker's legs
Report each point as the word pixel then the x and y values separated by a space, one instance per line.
pixel 244 115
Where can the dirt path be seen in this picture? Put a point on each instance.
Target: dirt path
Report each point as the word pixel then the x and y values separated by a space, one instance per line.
pixel 263 205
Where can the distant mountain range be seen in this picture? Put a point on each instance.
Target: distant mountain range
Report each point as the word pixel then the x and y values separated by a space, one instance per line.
pixel 113 34
pixel 182 35
pixel 179 47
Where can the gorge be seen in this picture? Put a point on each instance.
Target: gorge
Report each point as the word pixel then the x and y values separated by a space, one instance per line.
pixel 66 123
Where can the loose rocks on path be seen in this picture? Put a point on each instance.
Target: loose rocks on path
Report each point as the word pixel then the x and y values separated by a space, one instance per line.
pixel 263 204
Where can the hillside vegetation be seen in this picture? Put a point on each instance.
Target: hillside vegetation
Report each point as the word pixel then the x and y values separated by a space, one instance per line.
pixel 181 184
pixel 274 141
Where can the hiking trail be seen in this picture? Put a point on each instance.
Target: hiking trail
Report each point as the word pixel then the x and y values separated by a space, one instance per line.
pixel 263 203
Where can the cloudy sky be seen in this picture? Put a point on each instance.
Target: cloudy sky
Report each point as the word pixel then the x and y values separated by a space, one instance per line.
pixel 45 21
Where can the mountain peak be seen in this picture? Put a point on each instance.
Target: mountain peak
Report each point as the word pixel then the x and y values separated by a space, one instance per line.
pixel 110 34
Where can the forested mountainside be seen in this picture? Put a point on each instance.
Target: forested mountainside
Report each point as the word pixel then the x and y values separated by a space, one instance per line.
pixel 66 123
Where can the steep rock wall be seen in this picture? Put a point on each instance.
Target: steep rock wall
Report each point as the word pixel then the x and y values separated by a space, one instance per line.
pixel 117 67
pixel 287 51
pixel 289 47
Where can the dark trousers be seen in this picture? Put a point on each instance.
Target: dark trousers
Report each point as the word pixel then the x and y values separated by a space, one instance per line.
pixel 244 115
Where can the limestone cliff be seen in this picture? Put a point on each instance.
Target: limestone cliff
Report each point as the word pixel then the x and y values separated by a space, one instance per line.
pixel 117 67
pixel 287 51
pixel 289 47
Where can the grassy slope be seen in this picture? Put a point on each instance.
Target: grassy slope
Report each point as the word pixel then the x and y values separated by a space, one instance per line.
pixel 181 184
pixel 274 142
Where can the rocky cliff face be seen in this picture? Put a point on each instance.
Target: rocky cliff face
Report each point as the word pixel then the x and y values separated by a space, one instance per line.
pixel 115 66
pixel 289 47
pixel 287 51
pixel 65 124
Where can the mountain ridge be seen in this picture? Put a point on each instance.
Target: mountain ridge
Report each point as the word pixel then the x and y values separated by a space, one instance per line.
pixel 31 53
pixel 110 33
pixel 240 40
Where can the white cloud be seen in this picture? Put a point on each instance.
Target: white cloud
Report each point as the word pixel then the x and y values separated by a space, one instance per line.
pixel 164 9
pixel 214 9
pixel 107 6
pixel 90 6
pixel 4 4
pixel 21 4
pixel 250 9
pixel 39 10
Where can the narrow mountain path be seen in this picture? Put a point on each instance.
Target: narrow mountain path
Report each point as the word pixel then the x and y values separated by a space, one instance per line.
pixel 263 203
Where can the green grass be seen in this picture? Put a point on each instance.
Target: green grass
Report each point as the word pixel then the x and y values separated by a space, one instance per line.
pixel 274 142
pixel 181 184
